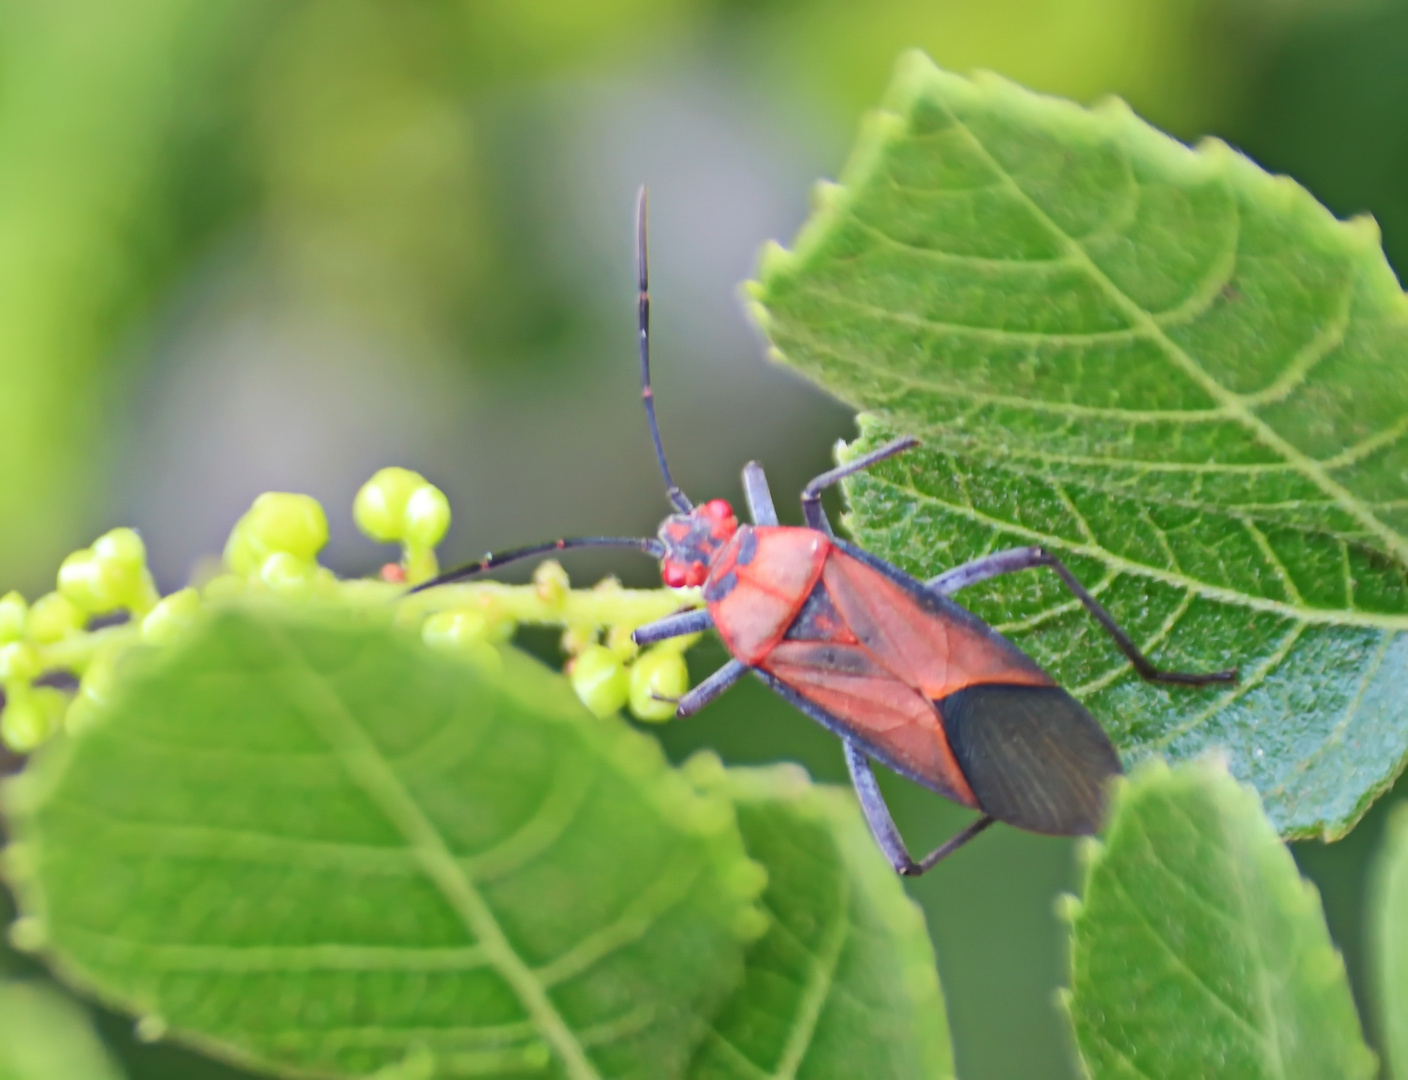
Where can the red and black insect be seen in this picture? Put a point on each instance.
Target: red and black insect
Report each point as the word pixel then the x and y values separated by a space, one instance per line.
pixel 889 663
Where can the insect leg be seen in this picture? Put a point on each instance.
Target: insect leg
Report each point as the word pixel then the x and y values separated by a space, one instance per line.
pixel 693 621
pixel 811 494
pixel 1028 558
pixel 882 825
pixel 711 688
pixel 755 490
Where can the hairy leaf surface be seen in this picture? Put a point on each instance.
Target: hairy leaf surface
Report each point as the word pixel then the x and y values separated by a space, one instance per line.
pixel 320 848
pixel 1179 373
pixel 1199 950
pixel 843 984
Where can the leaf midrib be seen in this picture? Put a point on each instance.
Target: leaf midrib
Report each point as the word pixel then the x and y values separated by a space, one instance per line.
pixel 821 975
pixel 367 767
pixel 1235 404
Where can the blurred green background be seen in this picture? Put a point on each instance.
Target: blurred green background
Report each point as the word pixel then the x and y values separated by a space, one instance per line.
pixel 251 245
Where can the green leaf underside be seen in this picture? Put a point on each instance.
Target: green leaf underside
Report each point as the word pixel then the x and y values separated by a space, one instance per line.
pixel 45 1036
pixel 843 985
pixel 1179 373
pixel 323 849
pixel 1388 929
pixel 1198 949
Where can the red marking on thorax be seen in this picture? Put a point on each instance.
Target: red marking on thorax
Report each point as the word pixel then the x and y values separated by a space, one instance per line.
pixel 769 590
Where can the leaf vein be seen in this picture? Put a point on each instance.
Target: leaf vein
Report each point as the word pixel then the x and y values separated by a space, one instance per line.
pixel 1221 594
pixel 641 913
pixel 1182 964
pixel 1315 471
pixel 371 772
pixel 821 976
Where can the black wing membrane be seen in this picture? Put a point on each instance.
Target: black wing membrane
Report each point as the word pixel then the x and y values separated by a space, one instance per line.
pixel 1034 757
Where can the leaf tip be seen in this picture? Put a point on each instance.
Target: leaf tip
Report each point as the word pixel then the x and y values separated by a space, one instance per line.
pixel 20 794
pixel 747 880
pixel 750 924
pixel 28 934
pixel 826 196
pixel 151 1028
pixel 17 862
pixel 705 770
pixel 1088 851
pixel 1068 907
pixel 637 756
pixel 1365 229
pixel 774 261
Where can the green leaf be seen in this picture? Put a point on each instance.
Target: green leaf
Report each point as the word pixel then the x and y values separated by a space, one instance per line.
pixel 1177 372
pixel 318 847
pixel 46 1036
pixel 1388 929
pixel 1198 949
pixel 843 985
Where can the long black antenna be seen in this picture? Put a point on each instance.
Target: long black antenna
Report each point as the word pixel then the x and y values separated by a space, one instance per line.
pixel 676 496
pixel 649 545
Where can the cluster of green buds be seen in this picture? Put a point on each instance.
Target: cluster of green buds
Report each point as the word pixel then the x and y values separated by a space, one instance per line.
pixel 109 578
pixel 401 506
pixel 106 602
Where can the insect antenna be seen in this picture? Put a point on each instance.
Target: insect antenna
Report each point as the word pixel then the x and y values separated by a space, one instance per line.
pixel 648 545
pixel 676 496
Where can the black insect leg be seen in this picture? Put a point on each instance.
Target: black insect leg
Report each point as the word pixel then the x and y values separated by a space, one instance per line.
pixel 882 825
pixel 811 494
pixel 755 490
pixel 1029 558
pixel 711 688
pixel 691 621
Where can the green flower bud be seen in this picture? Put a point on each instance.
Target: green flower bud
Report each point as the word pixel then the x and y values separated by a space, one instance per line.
pixel 19 663
pixel 380 506
pixel 427 516
pixel 171 618
pixel 241 555
pixel 121 548
pixel 619 641
pixel 286 573
pixel 658 673
pixel 109 575
pixel 30 719
pixel 283 522
pixel 225 586
pixel 465 634
pixel 577 639
pixel 83 581
pixel 13 610
pixel 53 617
pixel 600 680
pixel 551 583
pixel 451 629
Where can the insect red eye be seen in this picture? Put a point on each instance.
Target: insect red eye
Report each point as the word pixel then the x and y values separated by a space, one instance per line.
pixel 718 509
pixel 697 573
pixel 673 574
